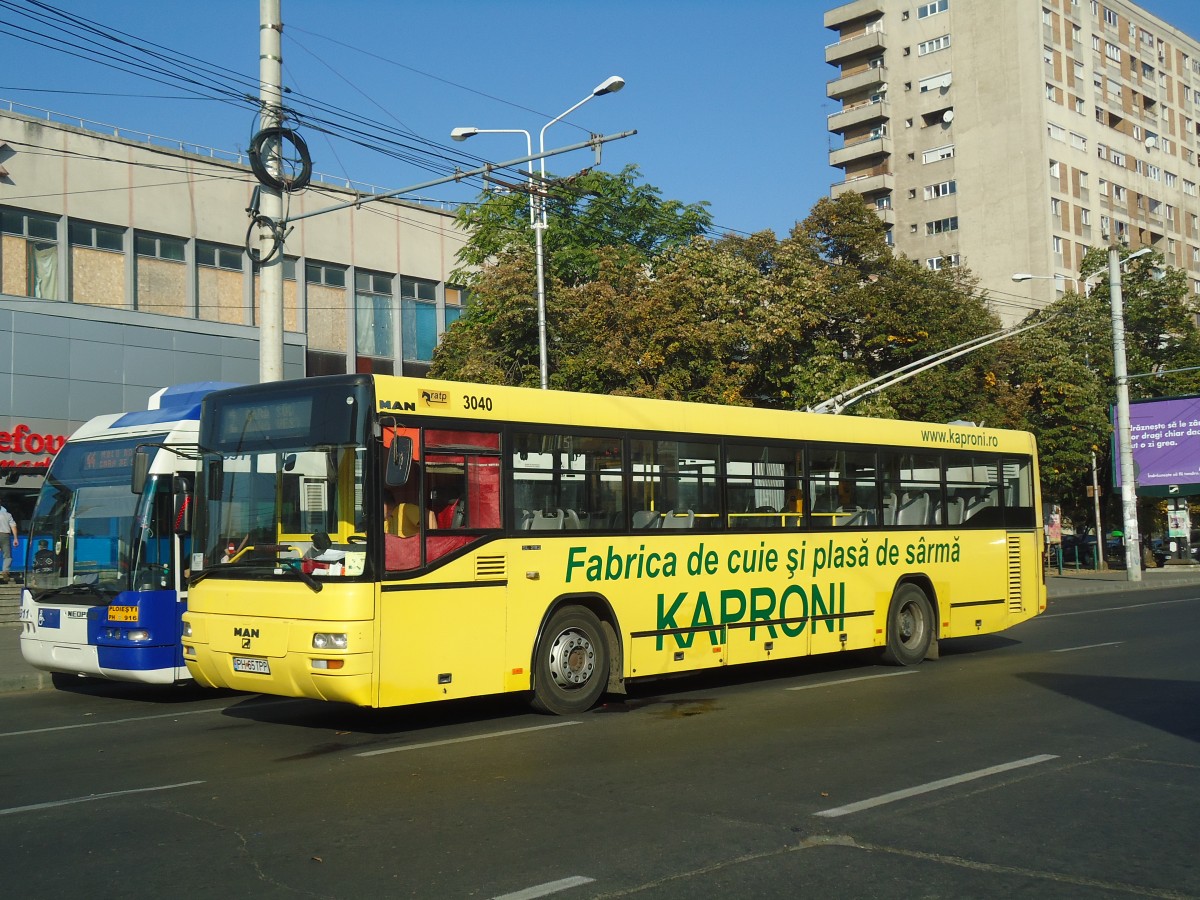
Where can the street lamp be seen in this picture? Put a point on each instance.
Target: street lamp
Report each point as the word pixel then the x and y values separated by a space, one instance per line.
pixel 1133 557
pixel 537 203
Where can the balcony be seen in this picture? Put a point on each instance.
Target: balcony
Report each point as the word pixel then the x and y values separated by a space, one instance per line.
pixel 846 85
pixel 851 12
pixel 866 184
pixel 859 114
pixel 874 146
pixel 872 41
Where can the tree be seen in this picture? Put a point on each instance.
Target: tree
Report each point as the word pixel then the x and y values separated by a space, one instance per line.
pixel 585 212
pixel 879 312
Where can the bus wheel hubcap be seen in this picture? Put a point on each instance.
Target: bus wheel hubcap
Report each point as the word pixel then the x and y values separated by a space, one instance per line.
pixel 572 659
pixel 912 627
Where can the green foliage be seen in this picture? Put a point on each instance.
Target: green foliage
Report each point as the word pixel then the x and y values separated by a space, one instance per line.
pixel 585 213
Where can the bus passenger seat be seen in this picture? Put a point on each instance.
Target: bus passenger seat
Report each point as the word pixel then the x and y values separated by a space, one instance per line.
pixel 547 520
pixel 672 519
pixel 914 510
pixel 646 518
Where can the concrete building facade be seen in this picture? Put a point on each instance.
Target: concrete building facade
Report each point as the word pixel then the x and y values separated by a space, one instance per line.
pixel 123 269
pixel 1011 137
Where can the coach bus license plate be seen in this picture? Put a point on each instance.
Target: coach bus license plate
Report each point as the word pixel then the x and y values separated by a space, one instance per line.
pixel 250 664
pixel 122 614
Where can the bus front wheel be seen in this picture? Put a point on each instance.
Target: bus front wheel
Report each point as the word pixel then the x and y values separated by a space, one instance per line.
pixel 909 627
pixel 570 668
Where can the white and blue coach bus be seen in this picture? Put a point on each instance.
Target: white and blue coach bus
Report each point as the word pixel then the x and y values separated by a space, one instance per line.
pixel 105 571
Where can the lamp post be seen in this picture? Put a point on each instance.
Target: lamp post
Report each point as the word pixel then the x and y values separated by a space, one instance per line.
pixel 1133 557
pixel 537 204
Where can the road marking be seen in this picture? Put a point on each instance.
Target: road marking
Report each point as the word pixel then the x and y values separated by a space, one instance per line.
pixel 1092 612
pixel 464 740
pixel 53 803
pixel 808 687
pixel 1088 647
pixel 932 786
pixel 171 715
pixel 186 712
pixel 545 890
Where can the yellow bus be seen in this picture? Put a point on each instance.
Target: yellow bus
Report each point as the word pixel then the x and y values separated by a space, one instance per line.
pixel 383 540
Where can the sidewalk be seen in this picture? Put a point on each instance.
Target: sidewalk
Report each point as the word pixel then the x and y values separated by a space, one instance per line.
pixel 18 675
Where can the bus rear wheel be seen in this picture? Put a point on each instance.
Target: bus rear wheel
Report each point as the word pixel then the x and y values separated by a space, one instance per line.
pixel 909 627
pixel 570 667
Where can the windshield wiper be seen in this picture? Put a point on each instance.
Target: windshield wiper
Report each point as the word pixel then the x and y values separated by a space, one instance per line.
pixel 274 568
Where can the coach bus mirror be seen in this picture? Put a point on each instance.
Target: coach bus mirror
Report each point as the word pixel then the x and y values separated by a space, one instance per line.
pixel 399 462
pixel 141 469
pixel 181 489
pixel 321 541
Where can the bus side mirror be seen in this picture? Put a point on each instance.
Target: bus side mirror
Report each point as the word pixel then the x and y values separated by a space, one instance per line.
pixel 399 462
pixel 181 490
pixel 141 469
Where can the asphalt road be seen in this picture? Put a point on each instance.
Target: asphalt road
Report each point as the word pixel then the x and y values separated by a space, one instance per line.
pixel 1059 759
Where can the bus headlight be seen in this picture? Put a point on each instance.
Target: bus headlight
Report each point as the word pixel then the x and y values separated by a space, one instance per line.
pixel 139 634
pixel 324 640
pixel 187 629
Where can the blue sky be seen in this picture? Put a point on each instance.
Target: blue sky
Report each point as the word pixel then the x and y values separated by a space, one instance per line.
pixel 727 98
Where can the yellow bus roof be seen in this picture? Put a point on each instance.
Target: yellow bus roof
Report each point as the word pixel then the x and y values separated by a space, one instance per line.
pixel 484 403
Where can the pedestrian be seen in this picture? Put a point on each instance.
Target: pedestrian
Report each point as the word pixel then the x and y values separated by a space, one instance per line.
pixel 8 541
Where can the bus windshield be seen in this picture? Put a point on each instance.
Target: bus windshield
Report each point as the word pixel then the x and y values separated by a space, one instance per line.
pixel 297 508
pixel 88 527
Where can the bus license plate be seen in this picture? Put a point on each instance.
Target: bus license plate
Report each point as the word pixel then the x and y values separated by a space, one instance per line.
pixel 122 614
pixel 251 664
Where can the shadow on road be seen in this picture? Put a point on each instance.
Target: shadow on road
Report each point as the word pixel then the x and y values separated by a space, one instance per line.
pixel 1170 706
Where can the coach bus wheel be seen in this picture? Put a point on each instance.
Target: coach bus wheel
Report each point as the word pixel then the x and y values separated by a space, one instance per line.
pixel 909 627
pixel 570 669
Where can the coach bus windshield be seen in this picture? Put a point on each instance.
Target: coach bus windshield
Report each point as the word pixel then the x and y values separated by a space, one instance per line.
pixel 281 491
pixel 87 525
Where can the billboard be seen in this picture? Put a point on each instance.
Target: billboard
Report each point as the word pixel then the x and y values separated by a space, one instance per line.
pixel 1165 436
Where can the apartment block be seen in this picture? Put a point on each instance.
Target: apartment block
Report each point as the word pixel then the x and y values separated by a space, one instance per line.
pixel 1012 136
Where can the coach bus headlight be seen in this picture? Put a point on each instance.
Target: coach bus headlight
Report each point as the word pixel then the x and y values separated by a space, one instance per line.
pixel 187 629
pixel 139 634
pixel 324 640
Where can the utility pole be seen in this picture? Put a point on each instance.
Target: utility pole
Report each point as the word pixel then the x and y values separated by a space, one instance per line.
pixel 1133 550
pixel 270 271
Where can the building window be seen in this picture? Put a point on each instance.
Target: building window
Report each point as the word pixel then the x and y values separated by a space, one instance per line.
pixel 932 46
pixel 29 251
pixel 925 10
pixel 1078 141
pixel 161 285
pixel 937 153
pixel 326 313
pixel 154 246
pixel 941 189
pixel 941 226
pixel 84 234
pixel 1112 51
pixel 1110 17
pixel 1055 169
pixel 936 263
pixel 418 315
pixel 1056 132
pixel 219 257
pixel 1085 217
pixel 97 264
pixel 373 323
pixel 457 299
pixel 1056 207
